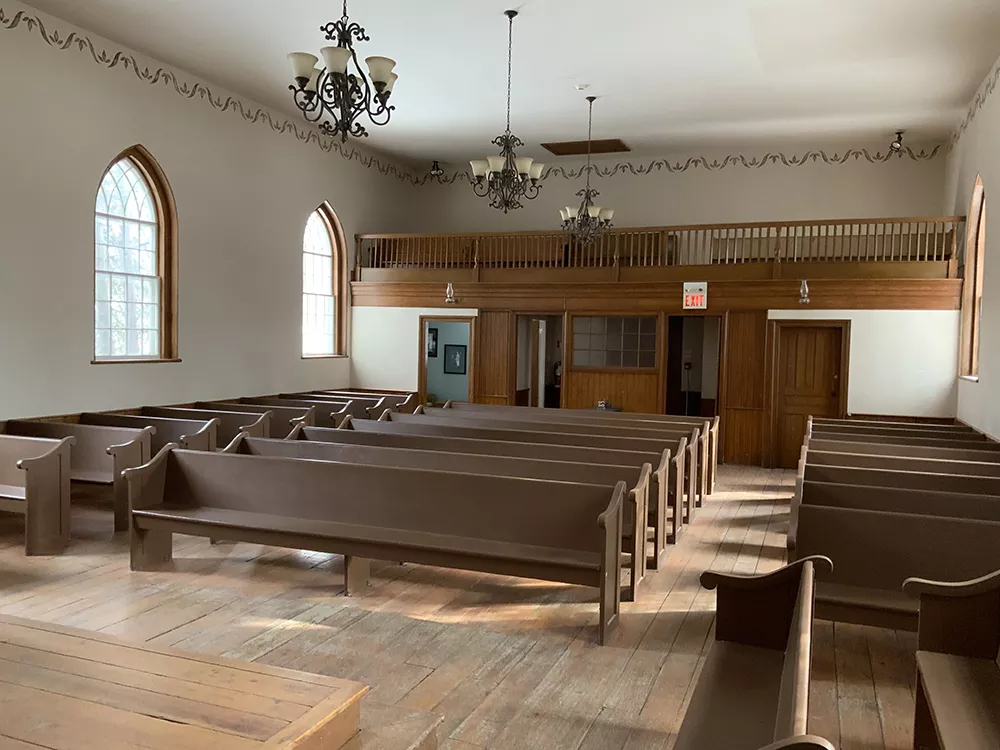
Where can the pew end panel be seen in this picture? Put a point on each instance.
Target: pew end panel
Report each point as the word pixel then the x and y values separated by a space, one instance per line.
pixel 676 492
pixel 962 618
pixel 205 439
pixel 47 498
pixel 611 525
pixel 691 469
pixel 638 520
pixel 128 455
pixel 657 515
pixel 802 742
pixel 149 549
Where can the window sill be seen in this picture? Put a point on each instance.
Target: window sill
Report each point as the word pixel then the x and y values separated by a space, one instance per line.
pixel 133 361
pixel 969 378
pixel 326 356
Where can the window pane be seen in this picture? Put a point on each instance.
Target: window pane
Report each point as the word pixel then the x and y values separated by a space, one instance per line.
pixel 102 343
pixel 581 358
pixel 581 342
pixel 102 287
pixel 581 325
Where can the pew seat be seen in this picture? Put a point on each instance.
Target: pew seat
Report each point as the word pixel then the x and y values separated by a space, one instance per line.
pixel 955 689
pixel 12 492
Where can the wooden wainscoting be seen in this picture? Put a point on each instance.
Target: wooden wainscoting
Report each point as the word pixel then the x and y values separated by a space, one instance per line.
pixel 495 353
pixel 631 390
pixel 742 387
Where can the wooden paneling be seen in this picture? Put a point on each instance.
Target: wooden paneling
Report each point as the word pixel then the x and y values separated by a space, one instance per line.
pixel 495 353
pixel 743 387
pixel 547 296
pixel 632 391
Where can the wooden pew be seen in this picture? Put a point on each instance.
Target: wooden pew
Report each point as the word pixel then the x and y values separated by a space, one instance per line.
pixel 35 483
pixel 667 509
pixel 958 676
pixel 893 432
pixel 230 423
pixel 917 451
pixel 753 691
pixel 597 416
pixel 904 463
pixel 283 418
pixel 553 531
pixel 934 426
pixel 359 408
pixel 99 455
pixel 931 442
pixel 325 414
pixel 637 501
pixel 404 402
pixel 914 480
pixel 192 434
pixel 876 551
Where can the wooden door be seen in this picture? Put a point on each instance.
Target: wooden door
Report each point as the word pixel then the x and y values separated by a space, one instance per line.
pixel 495 358
pixel 809 384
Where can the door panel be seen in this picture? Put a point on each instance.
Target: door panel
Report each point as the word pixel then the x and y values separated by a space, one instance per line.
pixel 809 369
pixel 496 358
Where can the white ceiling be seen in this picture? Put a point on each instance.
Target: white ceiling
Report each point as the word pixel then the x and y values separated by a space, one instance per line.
pixel 671 74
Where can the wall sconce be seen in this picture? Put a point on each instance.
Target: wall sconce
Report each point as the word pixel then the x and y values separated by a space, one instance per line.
pixel 449 295
pixel 804 293
pixel 436 170
pixel 896 146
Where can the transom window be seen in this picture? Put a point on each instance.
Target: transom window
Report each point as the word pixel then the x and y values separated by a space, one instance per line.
pixel 614 342
pixel 319 303
pixel 128 265
pixel 972 292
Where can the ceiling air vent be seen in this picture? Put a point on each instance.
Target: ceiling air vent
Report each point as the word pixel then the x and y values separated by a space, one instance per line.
pixel 579 148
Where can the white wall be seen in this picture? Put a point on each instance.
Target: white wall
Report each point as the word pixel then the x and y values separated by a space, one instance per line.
pixel 243 194
pixel 448 386
pixel 902 361
pixel 386 344
pixel 978 153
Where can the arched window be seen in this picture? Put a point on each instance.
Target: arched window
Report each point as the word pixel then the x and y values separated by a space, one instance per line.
pixel 972 290
pixel 134 262
pixel 323 296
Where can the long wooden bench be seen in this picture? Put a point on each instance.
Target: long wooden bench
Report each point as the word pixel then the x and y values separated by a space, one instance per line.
pixel 667 510
pixel 904 463
pixel 932 442
pixel 325 414
pixel 283 418
pixel 753 691
pixel 934 426
pixel 553 531
pixel 192 434
pixel 598 416
pixel 35 483
pixel 404 402
pixel 230 423
pixel 359 408
pixel 914 480
pixel 876 551
pixel 958 676
pixel 901 432
pixel 917 451
pixel 99 456
pixel 637 501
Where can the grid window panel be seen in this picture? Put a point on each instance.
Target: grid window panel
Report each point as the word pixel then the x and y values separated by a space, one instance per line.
pixel 126 280
pixel 318 300
pixel 628 342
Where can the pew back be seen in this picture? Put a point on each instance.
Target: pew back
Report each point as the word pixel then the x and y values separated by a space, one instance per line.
pixel 981 485
pixel 902 432
pixel 283 418
pixel 864 445
pixel 932 442
pixel 91 459
pixel 325 414
pixel 903 463
pixel 193 434
pixel 230 423
pixel 359 408
pixel 898 500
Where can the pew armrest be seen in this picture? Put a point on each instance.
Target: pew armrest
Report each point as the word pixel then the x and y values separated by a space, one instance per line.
pixel 146 483
pixel 347 423
pixel 449 404
pixel 205 439
pixel 802 742
pixel 711 579
pixel 296 433
pixel 962 619
pixel 237 444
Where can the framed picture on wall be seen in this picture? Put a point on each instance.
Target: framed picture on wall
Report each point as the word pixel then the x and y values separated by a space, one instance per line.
pixel 455 359
pixel 432 342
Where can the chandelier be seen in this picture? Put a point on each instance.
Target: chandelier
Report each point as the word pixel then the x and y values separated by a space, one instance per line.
pixel 507 179
pixel 335 95
pixel 588 222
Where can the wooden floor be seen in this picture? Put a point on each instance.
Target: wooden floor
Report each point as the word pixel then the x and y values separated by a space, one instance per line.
pixel 508 663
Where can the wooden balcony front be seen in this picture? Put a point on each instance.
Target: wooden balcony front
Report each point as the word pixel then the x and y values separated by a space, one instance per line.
pixel 922 248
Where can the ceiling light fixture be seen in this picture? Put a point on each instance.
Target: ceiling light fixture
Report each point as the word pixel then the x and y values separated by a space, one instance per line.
pixel 336 96
pixel 507 179
pixel 588 222
pixel 896 146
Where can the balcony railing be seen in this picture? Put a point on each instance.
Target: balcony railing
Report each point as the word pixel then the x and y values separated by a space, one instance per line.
pixel 845 240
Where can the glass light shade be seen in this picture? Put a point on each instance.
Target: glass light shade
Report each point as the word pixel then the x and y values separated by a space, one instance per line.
pixel 336 58
pixel 380 68
pixel 536 171
pixel 593 211
pixel 573 212
pixel 496 163
pixel 607 214
pixel 313 84
pixel 390 83
pixel 564 214
pixel 479 167
pixel 523 164
pixel 302 64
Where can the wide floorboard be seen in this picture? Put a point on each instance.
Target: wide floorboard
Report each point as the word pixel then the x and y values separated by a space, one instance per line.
pixel 508 663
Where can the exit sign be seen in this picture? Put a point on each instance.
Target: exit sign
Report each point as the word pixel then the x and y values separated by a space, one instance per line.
pixel 696 295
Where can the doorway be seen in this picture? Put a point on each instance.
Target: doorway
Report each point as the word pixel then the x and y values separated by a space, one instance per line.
pixel 693 344
pixel 539 361
pixel 446 361
pixel 811 365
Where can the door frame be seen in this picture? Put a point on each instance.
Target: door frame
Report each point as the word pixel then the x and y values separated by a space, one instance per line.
pixel 470 361
pixel 772 378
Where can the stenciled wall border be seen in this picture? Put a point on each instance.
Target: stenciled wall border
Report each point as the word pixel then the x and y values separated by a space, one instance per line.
pixel 983 95
pixel 255 114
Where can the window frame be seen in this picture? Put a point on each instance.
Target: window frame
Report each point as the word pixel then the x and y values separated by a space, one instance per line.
pixel 166 256
pixel 972 285
pixel 338 278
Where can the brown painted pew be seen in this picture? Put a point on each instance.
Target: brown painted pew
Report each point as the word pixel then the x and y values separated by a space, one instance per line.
pixel 283 418
pixel 644 421
pixel 404 402
pixel 901 500
pixel 35 483
pixel 325 414
pixel 916 451
pixel 876 551
pixel 903 463
pixel 193 434
pixel 230 423
pixel 553 531
pixel 931 442
pixel 893 432
pixel 753 692
pixel 958 676
pixel 637 501
pixel 359 408
pixel 914 480
pixel 667 510
pixel 99 456
pixel 933 426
